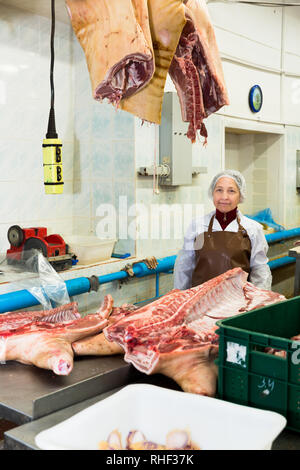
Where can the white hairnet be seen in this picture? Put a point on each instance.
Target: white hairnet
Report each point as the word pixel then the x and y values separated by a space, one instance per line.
pixel 236 176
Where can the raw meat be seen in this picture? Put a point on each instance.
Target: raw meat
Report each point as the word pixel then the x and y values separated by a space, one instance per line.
pixel 175 440
pixel 265 297
pixel 48 345
pixel 176 334
pixel 167 20
pixel 276 352
pixel 131 45
pixel 282 353
pixel 116 39
pixel 13 320
pixel 196 69
pixel 98 345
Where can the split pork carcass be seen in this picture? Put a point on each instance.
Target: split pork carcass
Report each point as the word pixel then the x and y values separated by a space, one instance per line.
pixel 196 69
pixel 44 338
pixel 116 39
pixel 129 59
pixel 14 320
pixel 167 19
pixel 176 334
pixel 98 345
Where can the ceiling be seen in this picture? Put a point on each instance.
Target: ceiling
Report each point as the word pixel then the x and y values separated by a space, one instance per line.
pixel 43 7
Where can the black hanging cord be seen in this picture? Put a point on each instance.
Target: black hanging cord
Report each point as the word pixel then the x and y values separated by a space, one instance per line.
pixel 51 133
pixel 52 50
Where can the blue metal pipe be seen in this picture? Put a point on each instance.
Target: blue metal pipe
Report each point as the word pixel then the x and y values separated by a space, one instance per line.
pixel 23 299
pixel 285 234
pixel 16 300
pixel 77 286
pixel 277 263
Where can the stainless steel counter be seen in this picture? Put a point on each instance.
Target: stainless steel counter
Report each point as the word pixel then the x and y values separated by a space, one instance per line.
pixel 23 437
pixel 36 399
pixel 28 393
pixel 39 397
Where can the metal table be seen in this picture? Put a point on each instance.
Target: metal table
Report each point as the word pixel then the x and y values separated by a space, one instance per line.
pixel 36 399
pixel 23 437
pixel 28 393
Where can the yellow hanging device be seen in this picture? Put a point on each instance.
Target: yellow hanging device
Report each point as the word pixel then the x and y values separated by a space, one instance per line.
pixel 52 161
pixel 52 146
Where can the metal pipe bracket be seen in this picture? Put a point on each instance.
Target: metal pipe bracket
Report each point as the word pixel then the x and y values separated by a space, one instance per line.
pixel 94 283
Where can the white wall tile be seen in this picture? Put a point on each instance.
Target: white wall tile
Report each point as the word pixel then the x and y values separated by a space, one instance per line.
pixel 24 109
pixel 260 24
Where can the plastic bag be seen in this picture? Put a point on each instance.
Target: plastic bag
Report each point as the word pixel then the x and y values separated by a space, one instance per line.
pixel 265 217
pixel 35 274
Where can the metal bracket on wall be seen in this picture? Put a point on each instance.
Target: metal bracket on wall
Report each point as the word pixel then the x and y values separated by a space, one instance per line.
pixel 162 170
pixel 197 170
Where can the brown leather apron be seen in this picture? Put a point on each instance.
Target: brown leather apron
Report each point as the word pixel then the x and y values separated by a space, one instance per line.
pixel 220 252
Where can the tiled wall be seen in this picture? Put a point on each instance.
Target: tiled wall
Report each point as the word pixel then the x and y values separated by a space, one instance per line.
pixel 24 109
pixel 258 156
pixel 104 167
pixel 98 142
pixel 146 148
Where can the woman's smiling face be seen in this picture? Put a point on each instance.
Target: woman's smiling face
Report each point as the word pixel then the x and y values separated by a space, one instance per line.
pixel 226 195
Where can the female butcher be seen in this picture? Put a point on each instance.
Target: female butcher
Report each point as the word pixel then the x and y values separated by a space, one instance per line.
pixel 223 239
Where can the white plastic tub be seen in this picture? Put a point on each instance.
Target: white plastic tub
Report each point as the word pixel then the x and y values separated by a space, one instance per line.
pixel 90 249
pixel 213 424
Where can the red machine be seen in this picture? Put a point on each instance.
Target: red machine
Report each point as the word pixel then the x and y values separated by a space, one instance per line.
pixel 52 247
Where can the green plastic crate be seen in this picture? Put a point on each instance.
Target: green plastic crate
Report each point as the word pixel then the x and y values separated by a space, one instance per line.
pixel 247 374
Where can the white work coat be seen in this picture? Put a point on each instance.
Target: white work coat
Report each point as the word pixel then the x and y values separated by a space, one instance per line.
pixel 260 273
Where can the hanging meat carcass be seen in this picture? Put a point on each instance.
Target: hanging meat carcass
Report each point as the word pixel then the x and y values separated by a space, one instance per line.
pixel 116 39
pixel 196 69
pixel 167 19
pixel 129 60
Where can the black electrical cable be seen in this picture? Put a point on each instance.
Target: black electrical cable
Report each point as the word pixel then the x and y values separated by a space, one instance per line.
pixel 52 51
pixel 270 4
pixel 51 133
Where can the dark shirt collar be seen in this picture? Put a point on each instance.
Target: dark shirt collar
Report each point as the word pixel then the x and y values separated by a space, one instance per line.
pixel 224 219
